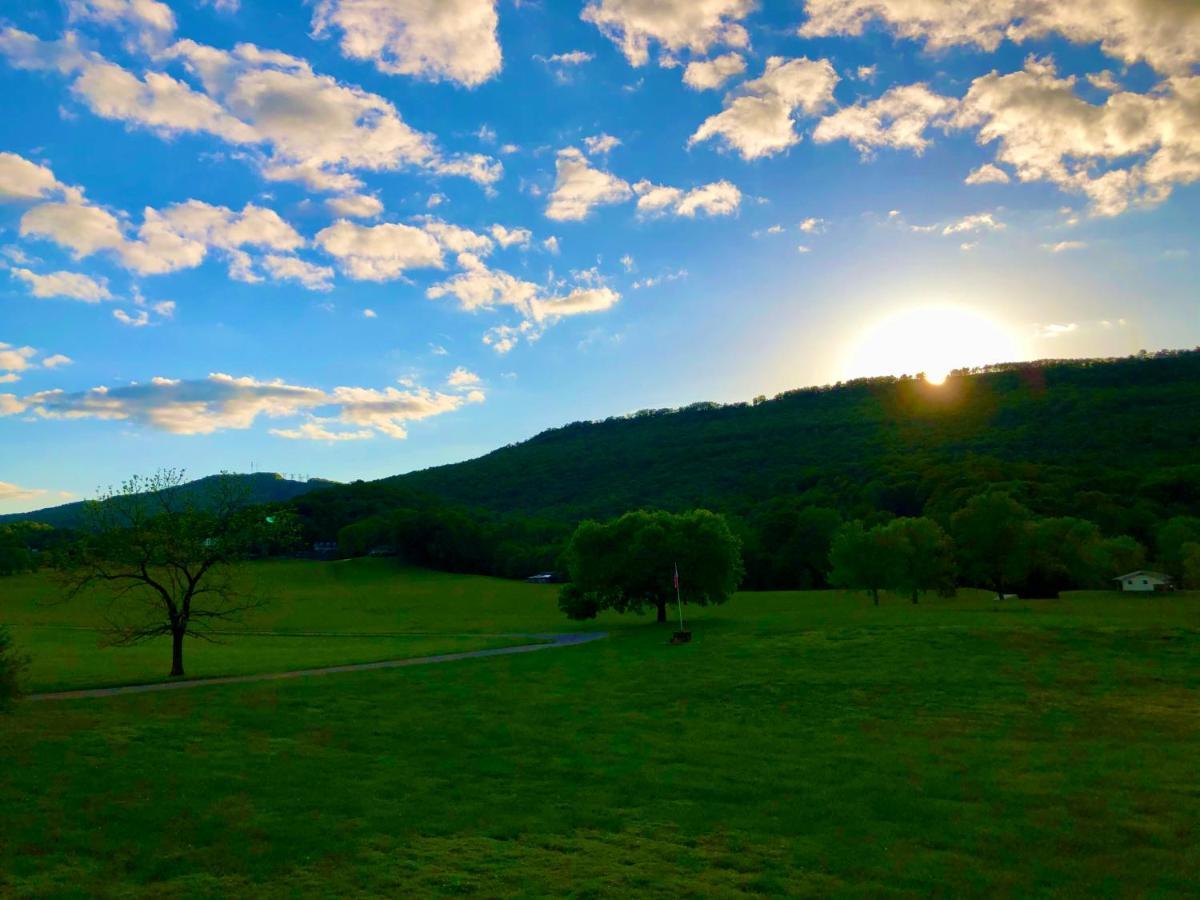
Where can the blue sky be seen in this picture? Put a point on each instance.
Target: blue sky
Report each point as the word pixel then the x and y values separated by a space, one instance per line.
pixel 348 238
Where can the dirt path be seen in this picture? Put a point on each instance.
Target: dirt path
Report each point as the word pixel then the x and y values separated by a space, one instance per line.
pixel 550 641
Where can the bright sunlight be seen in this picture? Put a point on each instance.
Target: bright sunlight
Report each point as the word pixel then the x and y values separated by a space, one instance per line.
pixel 930 339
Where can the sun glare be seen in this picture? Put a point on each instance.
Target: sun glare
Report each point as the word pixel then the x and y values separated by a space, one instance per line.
pixel 930 339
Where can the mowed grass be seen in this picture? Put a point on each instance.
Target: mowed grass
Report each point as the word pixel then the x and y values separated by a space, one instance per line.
pixel 314 615
pixel 802 744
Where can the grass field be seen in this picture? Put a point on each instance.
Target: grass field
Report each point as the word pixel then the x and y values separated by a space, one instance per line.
pixel 803 744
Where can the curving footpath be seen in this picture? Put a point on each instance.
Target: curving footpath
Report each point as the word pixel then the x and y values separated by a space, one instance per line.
pixel 550 641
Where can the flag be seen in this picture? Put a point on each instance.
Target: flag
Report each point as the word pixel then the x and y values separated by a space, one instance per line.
pixel 676 576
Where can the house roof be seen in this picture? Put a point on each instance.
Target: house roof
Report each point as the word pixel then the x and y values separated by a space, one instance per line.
pixel 1159 575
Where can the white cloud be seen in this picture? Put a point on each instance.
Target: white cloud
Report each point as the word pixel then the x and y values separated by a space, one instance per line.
pixel 898 119
pixel 802 248
pixel 21 179
pixel 627 263
pixel 139 319
pixel 578 300
pixel 600 144
pixel 10 492
pixel 147 15
pixel 455 238
pixel 177 237
pixel 1164 33
pixel 720 198
pixel 355 206
pixel 510 237
pixel 370 314
pixel 1130 149
pixel 56 360
pixel 758 119
pixel 15 359
pixel 655 280
pixel 64 284
pixel 479 287
pixel 572 58
pixel 1052 331
pixel 1104 81
pixel 315 430
pixel 292 268
pixel 987 174
pixel 706 74
pixel 379 252
pixel 462 378
pixel 1064 246
pixel 453 40
pixel 813 225
pixel 579 187
pixel 677 25
pixel 313 129
pixel 550 245
pixel 221 402
pixel 866 73
pixel 976 222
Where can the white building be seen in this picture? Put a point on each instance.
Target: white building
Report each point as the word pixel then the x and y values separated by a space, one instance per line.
pixel 1141 580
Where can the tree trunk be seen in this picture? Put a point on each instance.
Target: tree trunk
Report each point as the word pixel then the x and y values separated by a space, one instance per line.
pixel 177 653
pixel 662 610
pixel 914 597
pixel 875 595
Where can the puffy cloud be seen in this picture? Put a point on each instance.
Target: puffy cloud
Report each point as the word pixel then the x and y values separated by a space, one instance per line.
pixel 898 119
pixel 758 119
pixel 509 237
pixel 355 206
pixel 177 237
pixel 720 198
pixel 578 187
pixel 379 252
pixel 462 378
pixel 479 287
pixel 222 402
pixel 312 128
pixel 813 225
pixel 292 268
pixel 370 314
pixel 677 25
pixel 56 360
pixel 456 239
pixel 1164 33
pixel 1064 246
pixel 139 319
pixel 316 430
pixel 71 285
pixel 453 40
pixel 561 65
pixel 21 179
pixel 1130 149
pixel 976 222
pixel 15 359
pixel 703 75
pixel 600 144
pixel 143 15
pixel 987 174
pixel 577 301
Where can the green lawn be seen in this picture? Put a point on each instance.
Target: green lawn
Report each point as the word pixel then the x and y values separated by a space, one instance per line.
pixel 804 743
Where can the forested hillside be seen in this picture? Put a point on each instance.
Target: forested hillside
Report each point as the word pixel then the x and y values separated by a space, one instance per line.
pixel 1117 441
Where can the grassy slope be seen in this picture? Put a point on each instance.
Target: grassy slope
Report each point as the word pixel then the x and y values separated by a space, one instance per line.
pixel 804 743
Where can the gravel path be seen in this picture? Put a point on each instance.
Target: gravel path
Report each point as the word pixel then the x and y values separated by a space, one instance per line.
pixel 551 641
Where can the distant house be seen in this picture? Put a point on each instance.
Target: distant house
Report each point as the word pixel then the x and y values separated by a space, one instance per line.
pixel 1141 580
pixel 542 578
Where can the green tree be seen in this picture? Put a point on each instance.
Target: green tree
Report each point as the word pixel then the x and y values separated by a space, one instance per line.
pixel 11 667
pixel 1117 556
pixel 925 556
pixel 992 536
pixel 866 559
pixel 1173 536
pixel 628 564
pixel 165 558
pixel 1191 567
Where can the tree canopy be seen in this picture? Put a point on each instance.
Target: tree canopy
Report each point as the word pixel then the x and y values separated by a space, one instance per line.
pixel 628 564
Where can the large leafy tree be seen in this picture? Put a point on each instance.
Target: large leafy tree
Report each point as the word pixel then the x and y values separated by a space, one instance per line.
pixel 164 559
pixel 866 559
pixel 1173 537
pixel 628 564
pixel 11 666
pixel 992 533
pixel 924 556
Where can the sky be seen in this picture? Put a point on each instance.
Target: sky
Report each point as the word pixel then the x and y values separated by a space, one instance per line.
pixel 354 238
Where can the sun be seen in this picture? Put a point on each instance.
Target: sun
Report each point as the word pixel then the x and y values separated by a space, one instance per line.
pixel 930 339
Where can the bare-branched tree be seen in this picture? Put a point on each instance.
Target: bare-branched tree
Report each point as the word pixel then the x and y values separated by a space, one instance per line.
pixel 164 556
